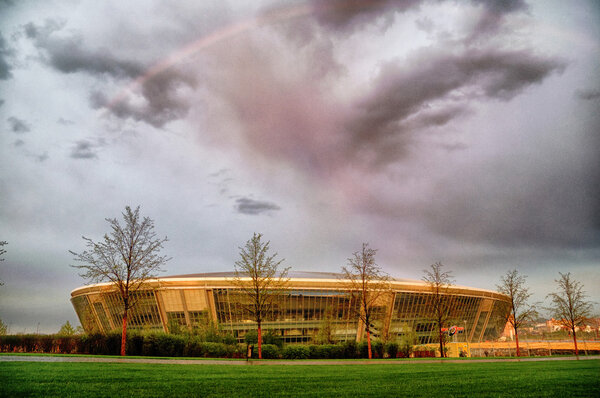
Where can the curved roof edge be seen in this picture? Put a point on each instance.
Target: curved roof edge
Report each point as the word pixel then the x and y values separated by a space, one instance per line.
pixel 299 276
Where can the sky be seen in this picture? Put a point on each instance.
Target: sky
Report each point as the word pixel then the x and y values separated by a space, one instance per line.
pixel 465 132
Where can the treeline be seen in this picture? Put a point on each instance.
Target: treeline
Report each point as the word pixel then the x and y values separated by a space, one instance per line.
pixel 169 345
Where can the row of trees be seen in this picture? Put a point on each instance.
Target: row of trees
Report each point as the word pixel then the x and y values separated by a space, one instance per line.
pixel 129 255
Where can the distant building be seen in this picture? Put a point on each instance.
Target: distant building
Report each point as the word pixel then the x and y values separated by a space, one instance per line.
pixel 311 300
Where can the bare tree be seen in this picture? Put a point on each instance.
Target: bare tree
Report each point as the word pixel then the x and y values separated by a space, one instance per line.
pixel 260 281
pixel 513 285
pixel 569 305
pixel 2 252
pixel 128 257
pixel 368 284
pixel 440 309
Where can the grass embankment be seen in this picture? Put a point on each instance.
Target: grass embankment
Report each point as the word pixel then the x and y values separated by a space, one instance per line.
pixel 524 379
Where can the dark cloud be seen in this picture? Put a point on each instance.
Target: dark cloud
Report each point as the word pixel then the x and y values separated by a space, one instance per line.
pixel 17 125
pixel 5 52
pixel 493 16
pixel 161 102
pixel 588 94
pixel 254 207
pixel 84 150
pixel 18 143
pixel 349 15
pixel 432 88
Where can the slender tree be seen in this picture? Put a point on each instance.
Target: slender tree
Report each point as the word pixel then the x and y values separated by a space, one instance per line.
pixel 569 305
pixel 439 309
pixel 67 329
pixel 128 257
pixel 260 281
pixel 2 252
pixel 513 285
pixel 368 284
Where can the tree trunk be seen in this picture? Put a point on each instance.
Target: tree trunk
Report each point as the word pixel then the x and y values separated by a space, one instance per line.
pixel 517 340
pixel 259 341
pixel 369 343
pixel 441 343
pixel 575 342
pixel 124 334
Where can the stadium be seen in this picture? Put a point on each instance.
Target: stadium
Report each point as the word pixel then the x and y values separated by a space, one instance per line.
pixel 311 301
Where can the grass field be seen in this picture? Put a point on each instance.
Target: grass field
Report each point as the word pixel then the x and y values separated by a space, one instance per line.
pixel 521 379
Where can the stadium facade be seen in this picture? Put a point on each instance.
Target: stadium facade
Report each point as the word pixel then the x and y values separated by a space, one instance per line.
pixel 311 301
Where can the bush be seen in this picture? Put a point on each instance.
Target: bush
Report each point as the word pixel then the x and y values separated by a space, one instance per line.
pixel 135 344
pixel 251 337
pixel 350 349
pixel 391 349
pixel 163 345
pixel 269 351
pixel 296 352
pixel 271 337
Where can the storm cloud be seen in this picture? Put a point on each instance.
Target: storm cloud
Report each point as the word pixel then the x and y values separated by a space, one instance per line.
pixel 160 103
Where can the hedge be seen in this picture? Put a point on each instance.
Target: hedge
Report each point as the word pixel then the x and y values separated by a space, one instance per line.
pixel 171 345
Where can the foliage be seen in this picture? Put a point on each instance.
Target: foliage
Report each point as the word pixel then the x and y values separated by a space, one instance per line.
pixel 439 308
pixel 296 352
pixel 260 281
pixel 391 349
pixel 325 332
pixel 569 305
pixel 128 257
pixel 66 330
pixel 271 337
pixel 368 284
pixel 407 343
pixel 269 351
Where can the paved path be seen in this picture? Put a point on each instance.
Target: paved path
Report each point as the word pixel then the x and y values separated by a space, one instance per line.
pixel 31 358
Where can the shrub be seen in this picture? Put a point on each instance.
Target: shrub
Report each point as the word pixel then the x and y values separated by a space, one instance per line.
pixel 213 350
pixel 296 352
pixel 135 344
pixel 251 337
pixel 350 349
pixel 391 349
pixel 271 337
pixel 269 351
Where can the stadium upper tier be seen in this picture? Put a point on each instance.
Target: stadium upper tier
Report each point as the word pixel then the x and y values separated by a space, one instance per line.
pixel 311 301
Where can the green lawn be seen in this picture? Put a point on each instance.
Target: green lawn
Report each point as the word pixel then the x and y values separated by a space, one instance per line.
pixel 514 379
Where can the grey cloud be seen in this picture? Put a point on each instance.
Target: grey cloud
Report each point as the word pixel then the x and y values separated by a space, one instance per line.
pixel 254 207
pixel 435 80
pixel 493 15
pixel 161 104
pixel 588 94
pixel 2 102
pixel 64 122
pixel 5 52
pixel 17 125
pixel 348 15
pixel 84 150
pixel 18 143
